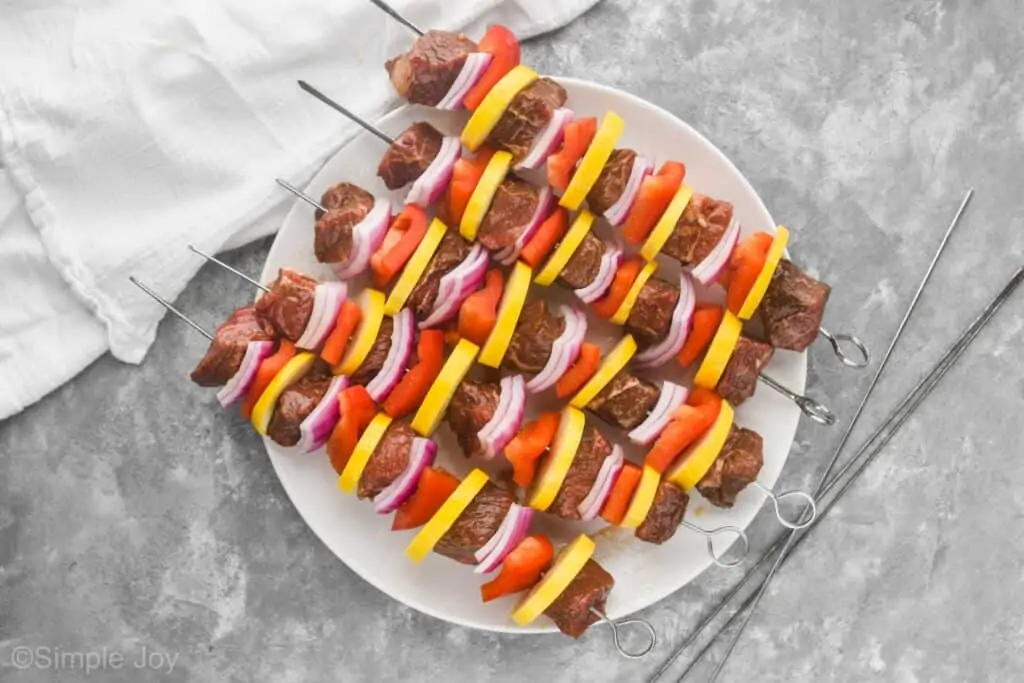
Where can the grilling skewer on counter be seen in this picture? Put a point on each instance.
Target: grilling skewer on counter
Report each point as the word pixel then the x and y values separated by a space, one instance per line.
pixel 658 211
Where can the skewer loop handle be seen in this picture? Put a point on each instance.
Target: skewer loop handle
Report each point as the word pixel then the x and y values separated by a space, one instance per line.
pixel 709 535
pixel 803 521
pixel 808 406
pixel 616 625
pixel 863 356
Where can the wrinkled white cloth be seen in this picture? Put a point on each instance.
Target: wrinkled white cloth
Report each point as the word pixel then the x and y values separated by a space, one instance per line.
pixel 131 129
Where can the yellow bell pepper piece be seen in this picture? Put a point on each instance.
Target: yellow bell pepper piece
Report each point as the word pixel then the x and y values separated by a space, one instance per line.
pixel 371 302
pixel 567 566
pixel 555 466
pixel 764 278
pixel 719 352
pixel 593 161
pixel 643 498
pixel 414 268
pixel 483 194
pixel 349 479
pixel 566 248
pixel 289 375
pixel 620 315
pixel 494 104
pixel 512 301
pixel 698 458
pixel 435 403
pixel 667 223
pixel 615 361
pixel 438 525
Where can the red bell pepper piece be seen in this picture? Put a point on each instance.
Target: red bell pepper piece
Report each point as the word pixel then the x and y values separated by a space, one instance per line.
pixel 504 48
pixel 432 490
pixel 654 196
pixel 521 569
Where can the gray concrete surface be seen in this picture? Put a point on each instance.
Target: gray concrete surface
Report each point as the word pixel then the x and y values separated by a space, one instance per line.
pixel 136 517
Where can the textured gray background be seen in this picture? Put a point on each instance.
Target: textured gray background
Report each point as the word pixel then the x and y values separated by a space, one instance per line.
pixel 135 515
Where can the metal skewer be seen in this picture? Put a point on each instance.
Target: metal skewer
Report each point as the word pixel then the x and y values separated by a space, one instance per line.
pixel 808 406
pixel 398 17
pixel 301 195
pixel 367 126
pixel 616 625
pixel 778 543
pixel 847 360
pixel 217 261
pixel 170 307
pixel 709 534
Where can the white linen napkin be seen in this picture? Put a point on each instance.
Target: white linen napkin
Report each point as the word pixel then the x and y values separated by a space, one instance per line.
pixel 131 129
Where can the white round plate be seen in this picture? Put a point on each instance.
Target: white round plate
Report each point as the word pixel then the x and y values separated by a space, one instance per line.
pixel 644 573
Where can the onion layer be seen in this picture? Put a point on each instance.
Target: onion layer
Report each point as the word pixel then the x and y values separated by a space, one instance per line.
pixel 317 426
pixel 403 337
pixel 564 351
pixel 545 205
pixel 678 331
pixel 672 396
pixel 548 140
pixel 507 417
pixel 456 285
pixel 708 270
pixel 617 212
pixel 590 507
pixel 239 383
pixel 421 456
pixel 327 303
pixel 472 69
pixel 431 184
pixel 610 260
pixel 512 530
pixel 367 236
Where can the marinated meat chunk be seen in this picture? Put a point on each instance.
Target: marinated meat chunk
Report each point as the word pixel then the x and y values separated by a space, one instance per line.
pixel 536 332
pixel 698 230
pixel 526 116
pixel 625 401
pixel 224 357
pixel 612 182
pixel 792 308
pixel 665 515
pixel 374 360
pixel 571 610
pixel 735 467
pixel 513 207
pixel 389 460
pixel 472 407
pixel 582 474
pixel 425 74
pixel 409 155
pixel 475 526
pixel 651 316
pixel 289 303
pixel 739 380
pixel 585 263
pixel 347 205
pixel 296 403
pixel 450 253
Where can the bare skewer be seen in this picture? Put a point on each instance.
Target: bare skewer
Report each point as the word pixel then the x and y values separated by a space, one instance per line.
pixel 616 625
pixel 170 307
pixel 366 125
pixel 811 408
pixel 217 261
pixel 398 17
pixel 301 195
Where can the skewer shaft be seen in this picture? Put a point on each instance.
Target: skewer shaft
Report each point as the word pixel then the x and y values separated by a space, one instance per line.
pixel 366 125
pixel 170 307
pixel 301 195
pixel 217 261
pixel 397 17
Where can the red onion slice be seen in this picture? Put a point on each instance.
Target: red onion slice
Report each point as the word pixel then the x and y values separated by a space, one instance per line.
pixel 617 212
pixel 239 383
pixel 367 236
pixel 421 456
pixel 403 336
pixel 327 303
pixel 678 331
pixel 431 184
pixel 472 69
pixel 507 417
pixel 512 530
pixel 548 140
pixel 610 260
pixel 590 507
pixel 672 396
pixel 564 351
pixel 708 270
pixel 317 426
pixel 545 205
pixel 456 285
